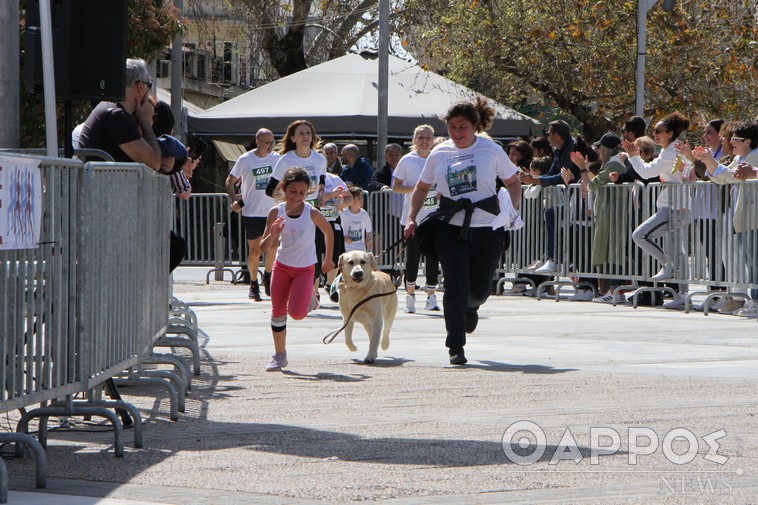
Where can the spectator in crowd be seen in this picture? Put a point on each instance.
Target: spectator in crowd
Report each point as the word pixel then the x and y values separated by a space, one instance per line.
pixel 381 180
pixel 634 128
pixel 559 136
pixel 254 169
pixel 386 217
pixel 520 154
pixel 609 214
pixel 745 209
pixel 357 169
pixel 541 147
pixel 725 137
pixel 173 157
pixel 467 246
pixel 291 229
pixel 333 163
pixel 407 175
pixel 124 129
pixel 356 223
pixel 673 207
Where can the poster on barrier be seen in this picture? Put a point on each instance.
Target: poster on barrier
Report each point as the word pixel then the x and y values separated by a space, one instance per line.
pixel 20 203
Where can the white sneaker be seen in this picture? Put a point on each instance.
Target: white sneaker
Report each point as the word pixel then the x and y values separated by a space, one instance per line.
pixel 608 298
pixel 410 304
pixel 731 306
pixel 431 303
pixel 667 272
pixel 715 306
pixel 535 265
pixel 548 268
pixel 516 290
pixel 677 302
pixel 583 295
pixel 750 310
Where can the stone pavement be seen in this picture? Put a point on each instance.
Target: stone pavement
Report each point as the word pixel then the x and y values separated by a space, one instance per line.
pixel 413 429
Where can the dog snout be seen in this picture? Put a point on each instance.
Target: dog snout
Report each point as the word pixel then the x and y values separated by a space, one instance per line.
pixel 357 274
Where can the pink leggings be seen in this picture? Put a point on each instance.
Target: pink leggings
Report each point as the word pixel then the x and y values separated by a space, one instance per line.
pixel 291 290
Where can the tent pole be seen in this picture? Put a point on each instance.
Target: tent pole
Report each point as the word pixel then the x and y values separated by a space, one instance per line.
pixel 381 116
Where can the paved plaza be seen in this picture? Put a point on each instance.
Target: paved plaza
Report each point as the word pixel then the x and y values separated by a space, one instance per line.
pixel 413 429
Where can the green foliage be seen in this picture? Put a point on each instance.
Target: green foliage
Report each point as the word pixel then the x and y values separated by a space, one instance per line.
pixel 580 55
pixel 152 25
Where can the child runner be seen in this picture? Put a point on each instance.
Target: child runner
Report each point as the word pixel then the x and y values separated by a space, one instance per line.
pixel 292 225
pixel 356 223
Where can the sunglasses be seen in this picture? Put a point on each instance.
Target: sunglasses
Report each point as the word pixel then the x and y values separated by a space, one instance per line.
pixel 149 83
pixel 660 130
pixel 741 139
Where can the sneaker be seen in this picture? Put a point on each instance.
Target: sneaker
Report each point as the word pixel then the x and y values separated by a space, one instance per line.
pixel 255 292
pixel 677 302
pixel 472 319
pixel 715 306
pixel 516 290
pixel 750 310
pixel 267 283
pixel 608 298
pixel 666 272
pixel 278 361
pixel 583 295
pixel 459 358
pixel 548 268
pixel 431 303
pixel 410 304
pixel 315 302
pixel 731 306
pixel 548 292
pixel 535 265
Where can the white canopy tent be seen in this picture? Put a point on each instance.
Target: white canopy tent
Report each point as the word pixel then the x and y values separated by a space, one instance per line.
pixel 340 98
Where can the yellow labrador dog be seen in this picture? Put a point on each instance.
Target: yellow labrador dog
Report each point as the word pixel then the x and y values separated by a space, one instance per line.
pixel 359 281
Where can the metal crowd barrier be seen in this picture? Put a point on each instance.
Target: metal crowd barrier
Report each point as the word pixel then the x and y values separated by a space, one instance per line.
pixel 90 300
pixel 214 234
pixel 701 242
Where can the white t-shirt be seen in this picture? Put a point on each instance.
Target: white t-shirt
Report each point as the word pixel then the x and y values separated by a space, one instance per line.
pixel 314 164
pixel 355 227
pixel 255 173
pixel 329 209
pixel 468 173
pixel 409 169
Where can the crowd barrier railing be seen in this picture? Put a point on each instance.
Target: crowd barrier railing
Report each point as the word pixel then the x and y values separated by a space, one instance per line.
pixel 214 234
pixel 91 299
pixel 593 236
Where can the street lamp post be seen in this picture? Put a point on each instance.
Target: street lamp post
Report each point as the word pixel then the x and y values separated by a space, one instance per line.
pixel 643 6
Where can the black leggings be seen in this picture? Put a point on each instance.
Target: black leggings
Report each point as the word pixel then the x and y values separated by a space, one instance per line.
pixel 469 267
pixel 412 259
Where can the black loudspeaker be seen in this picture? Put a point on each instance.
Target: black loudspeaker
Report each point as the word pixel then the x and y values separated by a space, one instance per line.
pixel 89 48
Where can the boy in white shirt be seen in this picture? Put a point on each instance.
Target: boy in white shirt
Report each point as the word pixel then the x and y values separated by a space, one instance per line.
pixel 356 223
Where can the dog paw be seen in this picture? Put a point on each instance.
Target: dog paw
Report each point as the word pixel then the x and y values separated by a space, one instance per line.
pixel 385 344
pixel 369 361
pixel 351 346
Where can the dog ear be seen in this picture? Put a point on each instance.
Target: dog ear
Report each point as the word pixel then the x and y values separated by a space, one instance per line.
pixel 372 261
pixel 340 260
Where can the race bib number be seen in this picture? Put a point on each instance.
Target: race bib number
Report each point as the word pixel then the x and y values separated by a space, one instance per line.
pixel 262 176
pixel 461 178
pixel 330 213
pixel 430 202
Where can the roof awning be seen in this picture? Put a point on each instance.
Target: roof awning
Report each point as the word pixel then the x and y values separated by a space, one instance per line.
pixel 230 152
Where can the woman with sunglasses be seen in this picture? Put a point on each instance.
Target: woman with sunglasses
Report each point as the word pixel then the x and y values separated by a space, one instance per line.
pixel 745 204
pixel 672 206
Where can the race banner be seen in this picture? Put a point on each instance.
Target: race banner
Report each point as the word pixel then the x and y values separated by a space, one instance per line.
pixel 20 203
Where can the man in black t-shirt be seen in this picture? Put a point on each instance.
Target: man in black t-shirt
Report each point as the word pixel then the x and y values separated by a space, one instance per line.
pixel 124 129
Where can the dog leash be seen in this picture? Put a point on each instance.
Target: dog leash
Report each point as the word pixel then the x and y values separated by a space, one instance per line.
pixel 332 335
pixel 391 247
